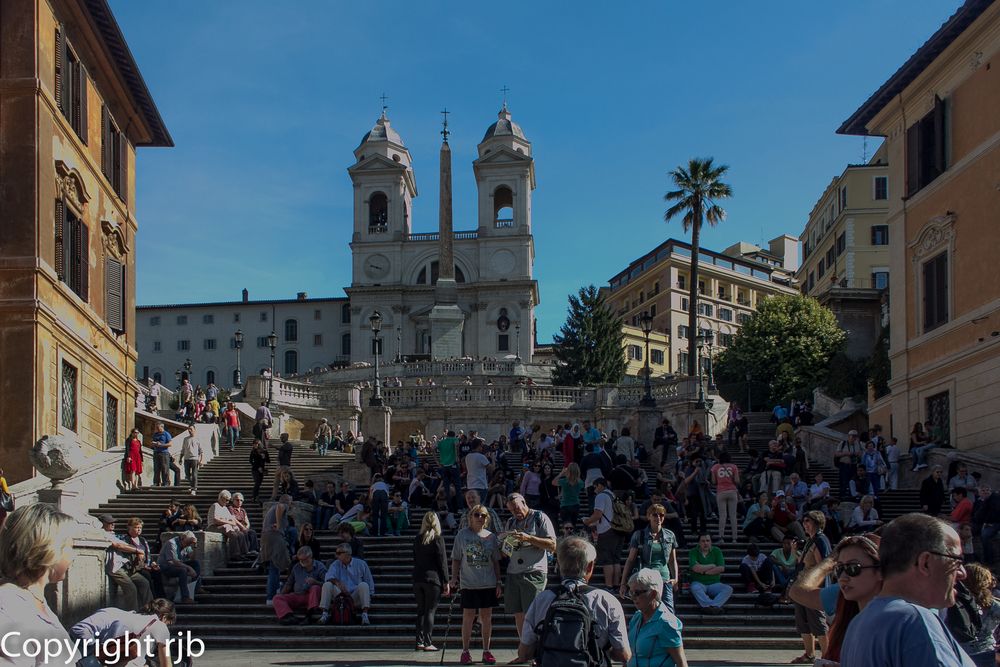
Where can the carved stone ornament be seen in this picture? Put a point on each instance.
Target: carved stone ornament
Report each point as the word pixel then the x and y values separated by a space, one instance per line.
pixel 58 457
pixel 70 184
pixel 937 234
pixel 975 60
pixel 114 238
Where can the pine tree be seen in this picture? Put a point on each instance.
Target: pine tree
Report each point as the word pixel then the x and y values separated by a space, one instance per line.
pixel 589 347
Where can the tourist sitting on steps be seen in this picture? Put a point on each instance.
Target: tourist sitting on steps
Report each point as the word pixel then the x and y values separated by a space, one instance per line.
pixel 133 588
pixel 302 589
pixel 351 576
pixel 705 566
pixel 175 561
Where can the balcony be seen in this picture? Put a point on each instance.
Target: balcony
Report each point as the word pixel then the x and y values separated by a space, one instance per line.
pixel 434 236
pixel 378 229
pixel 503 223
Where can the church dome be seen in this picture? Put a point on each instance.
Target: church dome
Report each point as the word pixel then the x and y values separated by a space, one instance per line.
pixel 504 127
pixel 382 132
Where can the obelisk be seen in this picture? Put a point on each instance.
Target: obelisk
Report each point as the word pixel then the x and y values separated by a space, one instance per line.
pixel 446 318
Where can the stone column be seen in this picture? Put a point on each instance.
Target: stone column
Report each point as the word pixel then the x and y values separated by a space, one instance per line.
pixel 649 418
pixel 446 319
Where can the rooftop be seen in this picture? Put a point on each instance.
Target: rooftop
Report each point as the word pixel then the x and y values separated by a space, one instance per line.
pixel 258 302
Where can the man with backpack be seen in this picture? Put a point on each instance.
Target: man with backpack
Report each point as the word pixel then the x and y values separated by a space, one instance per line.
pixel 527 540
pixel 574 625
pixel 608 535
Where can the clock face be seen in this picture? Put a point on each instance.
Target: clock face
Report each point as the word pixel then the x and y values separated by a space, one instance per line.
pixel 377 266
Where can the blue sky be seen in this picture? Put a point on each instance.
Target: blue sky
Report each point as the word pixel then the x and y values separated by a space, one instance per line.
pixel 267 100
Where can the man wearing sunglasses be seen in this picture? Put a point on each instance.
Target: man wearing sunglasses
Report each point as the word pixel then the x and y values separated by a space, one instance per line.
pixel 921 559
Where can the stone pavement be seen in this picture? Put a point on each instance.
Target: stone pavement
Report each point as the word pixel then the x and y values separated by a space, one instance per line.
pixel 696 657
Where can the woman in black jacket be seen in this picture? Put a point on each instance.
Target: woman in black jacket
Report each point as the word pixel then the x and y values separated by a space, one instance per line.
pixel 430 577
pixel 932 493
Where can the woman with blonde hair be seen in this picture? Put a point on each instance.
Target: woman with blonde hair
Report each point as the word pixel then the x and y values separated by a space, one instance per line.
pixel 430 577
pixel 570 485
pixel 475 570
pixel 36 543
pixel 981 582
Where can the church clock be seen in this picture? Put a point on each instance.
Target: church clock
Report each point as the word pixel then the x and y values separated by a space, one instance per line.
pixel 377 267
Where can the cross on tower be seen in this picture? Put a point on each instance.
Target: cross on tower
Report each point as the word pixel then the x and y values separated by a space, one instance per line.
pixel 384 106
pixel 445 132
pixel 505 90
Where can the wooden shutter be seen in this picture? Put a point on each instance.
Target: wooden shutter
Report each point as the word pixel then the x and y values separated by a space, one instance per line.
pixel 60 239
pixel 105 141
pixel 122 166
pixel 60 64
pixel 114 290
pixel 81 107
pixel 939 136
pixel 84 266
pixel 913 158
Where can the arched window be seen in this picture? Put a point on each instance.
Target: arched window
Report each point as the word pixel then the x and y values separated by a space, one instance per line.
pixel 503 207
pixel 209 377
pixel 291 362
pixel 345 314
pixel 345 345
pixel 378 212
pixel 434 267
pixel 291 331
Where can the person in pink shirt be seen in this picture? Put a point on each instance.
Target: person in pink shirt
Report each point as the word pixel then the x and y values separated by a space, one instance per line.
pixel 231 419
pixel 726 478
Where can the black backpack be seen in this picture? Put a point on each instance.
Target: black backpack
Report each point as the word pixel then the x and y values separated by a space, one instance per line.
pixel 568 637
pixel 963 618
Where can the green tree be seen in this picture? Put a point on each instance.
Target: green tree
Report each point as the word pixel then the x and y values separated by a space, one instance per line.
pixel 699 186
pixel 589 347
pixel 789 341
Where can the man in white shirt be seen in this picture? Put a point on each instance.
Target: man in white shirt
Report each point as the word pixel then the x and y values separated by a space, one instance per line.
pixel 478 467
pixel 608 541
pixel 193 456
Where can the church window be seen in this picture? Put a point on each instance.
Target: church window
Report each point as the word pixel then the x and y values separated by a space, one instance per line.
pixel 422 275
pixel 503 207
pixel 291 362
pixel 345 345
pixel 378 213
pixel 345 314
pixel 291 330
pixel 503 343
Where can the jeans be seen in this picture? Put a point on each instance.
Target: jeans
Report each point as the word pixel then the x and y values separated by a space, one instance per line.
pixel 772 480
pixel 234 434
pixel 191 472
pixel 322 516
pixel 451 476
pixel 668 596
pixel 873 480
pixel 427 596
pixel 380 512
pixel 321 446
pixel 161 468
pixel 920 454
pixel 892 479
pixel 258 479
pixel 990 530
pixel 183 579
pixel 847 471
pixel 273 581
pixel 711 595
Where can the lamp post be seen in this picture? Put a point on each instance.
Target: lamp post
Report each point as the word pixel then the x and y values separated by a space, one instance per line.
pixel 647 327
pixel 187 369
pixel 399 347
pixel 517 340
pixel 272 342
pixel 749 377
pixel 709 342
pixel 239 346
pixel 700 405
pixel 376 323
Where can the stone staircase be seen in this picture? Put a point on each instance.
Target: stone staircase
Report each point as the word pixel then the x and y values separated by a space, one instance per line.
pixel 233 614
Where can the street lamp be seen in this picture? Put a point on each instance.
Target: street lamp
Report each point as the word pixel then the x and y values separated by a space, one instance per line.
pixel 187 369
pixel 710 341
pixel 517 340
pixel 647 327
pixel 399 347
pixel 239 346
pixel 272 342
pixel 700 405
pixel 376 323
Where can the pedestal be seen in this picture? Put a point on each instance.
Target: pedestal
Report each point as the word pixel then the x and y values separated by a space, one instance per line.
pixel 447 323
pixel 376 420
pixel 650 417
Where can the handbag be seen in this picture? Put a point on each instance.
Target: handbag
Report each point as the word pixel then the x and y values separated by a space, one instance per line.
pixel 6 501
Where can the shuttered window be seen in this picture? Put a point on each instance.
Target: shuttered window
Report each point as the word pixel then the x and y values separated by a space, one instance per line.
pixel 71 85
pixel 926 151
pixel 114 295
pixel 935 275
pixel 114 154
pixel 72 241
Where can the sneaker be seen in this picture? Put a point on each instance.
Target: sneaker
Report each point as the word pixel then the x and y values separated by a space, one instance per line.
pixel 421 646
pixel 194 492
pixel 288 619
pixel 364 618
pixel 431 647
pixel 466 658
pixel 270 603
pixel 324 618
pixel 488 658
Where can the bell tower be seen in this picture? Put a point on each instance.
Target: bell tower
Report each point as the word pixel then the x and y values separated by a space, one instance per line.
pixel 505 177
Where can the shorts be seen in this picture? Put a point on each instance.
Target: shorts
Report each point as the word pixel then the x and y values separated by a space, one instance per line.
pixel 520 590
pixel 609 546
pixel 479 598
pixel 810 621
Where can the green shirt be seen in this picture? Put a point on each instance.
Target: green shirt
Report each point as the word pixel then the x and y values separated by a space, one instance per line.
pixel 446 451
pixel 570 493
pixel 714 557
pixel 779 556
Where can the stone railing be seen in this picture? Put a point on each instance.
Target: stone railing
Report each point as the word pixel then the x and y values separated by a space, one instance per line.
pixel 299 394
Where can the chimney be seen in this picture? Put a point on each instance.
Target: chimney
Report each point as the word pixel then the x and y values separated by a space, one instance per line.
pixel 302 296
pixel 246 295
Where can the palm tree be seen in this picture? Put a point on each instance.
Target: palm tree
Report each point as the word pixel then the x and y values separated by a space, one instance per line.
pixel 698 188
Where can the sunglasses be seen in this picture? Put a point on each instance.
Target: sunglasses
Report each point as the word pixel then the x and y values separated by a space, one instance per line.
pixel 659 515
pixel 851 569
pixel 480 516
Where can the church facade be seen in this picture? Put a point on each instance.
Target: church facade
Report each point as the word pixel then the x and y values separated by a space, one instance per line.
pixel 396 271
